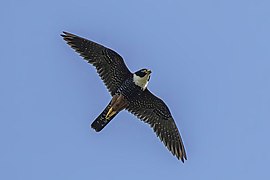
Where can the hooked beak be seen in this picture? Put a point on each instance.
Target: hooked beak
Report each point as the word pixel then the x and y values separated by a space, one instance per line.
pixel 148 71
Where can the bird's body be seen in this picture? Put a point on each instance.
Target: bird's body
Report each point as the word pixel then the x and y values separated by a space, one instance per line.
pixel 131 89
pixel 129 92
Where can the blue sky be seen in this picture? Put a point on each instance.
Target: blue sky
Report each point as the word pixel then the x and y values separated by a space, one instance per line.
pixel 210 62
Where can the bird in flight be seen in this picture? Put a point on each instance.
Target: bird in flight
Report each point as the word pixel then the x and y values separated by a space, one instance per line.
pixel 129 92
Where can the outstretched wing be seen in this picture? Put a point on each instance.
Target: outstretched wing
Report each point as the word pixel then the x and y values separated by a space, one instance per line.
pixel 109 65
pixel 154 111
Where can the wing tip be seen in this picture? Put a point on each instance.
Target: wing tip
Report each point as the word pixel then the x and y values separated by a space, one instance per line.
pixel 182 152
pixel 180 155
pixel 183 157
pixel 64 34
pixel 67 36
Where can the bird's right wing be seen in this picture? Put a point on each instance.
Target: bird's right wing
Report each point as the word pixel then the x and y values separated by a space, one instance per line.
pixel 109 65
pixel 154 111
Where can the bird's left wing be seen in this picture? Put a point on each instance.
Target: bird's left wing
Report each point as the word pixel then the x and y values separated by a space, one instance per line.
pixel 109 65
pixel 154 111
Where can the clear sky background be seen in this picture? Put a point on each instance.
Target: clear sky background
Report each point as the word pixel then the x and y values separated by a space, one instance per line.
pixel 211 65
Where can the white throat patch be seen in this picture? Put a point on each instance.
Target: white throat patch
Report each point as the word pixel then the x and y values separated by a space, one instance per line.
pixel 141 81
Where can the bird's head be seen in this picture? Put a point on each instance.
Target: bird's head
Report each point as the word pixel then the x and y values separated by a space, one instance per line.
pixel 142 77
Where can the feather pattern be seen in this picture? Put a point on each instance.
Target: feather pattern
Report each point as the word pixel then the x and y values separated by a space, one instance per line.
pixel 109 64
pixel 154 111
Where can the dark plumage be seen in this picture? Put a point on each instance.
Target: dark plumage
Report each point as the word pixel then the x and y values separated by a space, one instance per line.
pixel 109 65
pixel 129 91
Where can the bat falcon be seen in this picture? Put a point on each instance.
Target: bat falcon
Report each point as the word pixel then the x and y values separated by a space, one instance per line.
pixel 129 92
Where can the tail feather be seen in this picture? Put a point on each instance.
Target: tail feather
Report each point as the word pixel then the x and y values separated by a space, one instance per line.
pixel 100 122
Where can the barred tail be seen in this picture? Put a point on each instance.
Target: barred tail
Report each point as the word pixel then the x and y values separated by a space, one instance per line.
pixel 100 122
